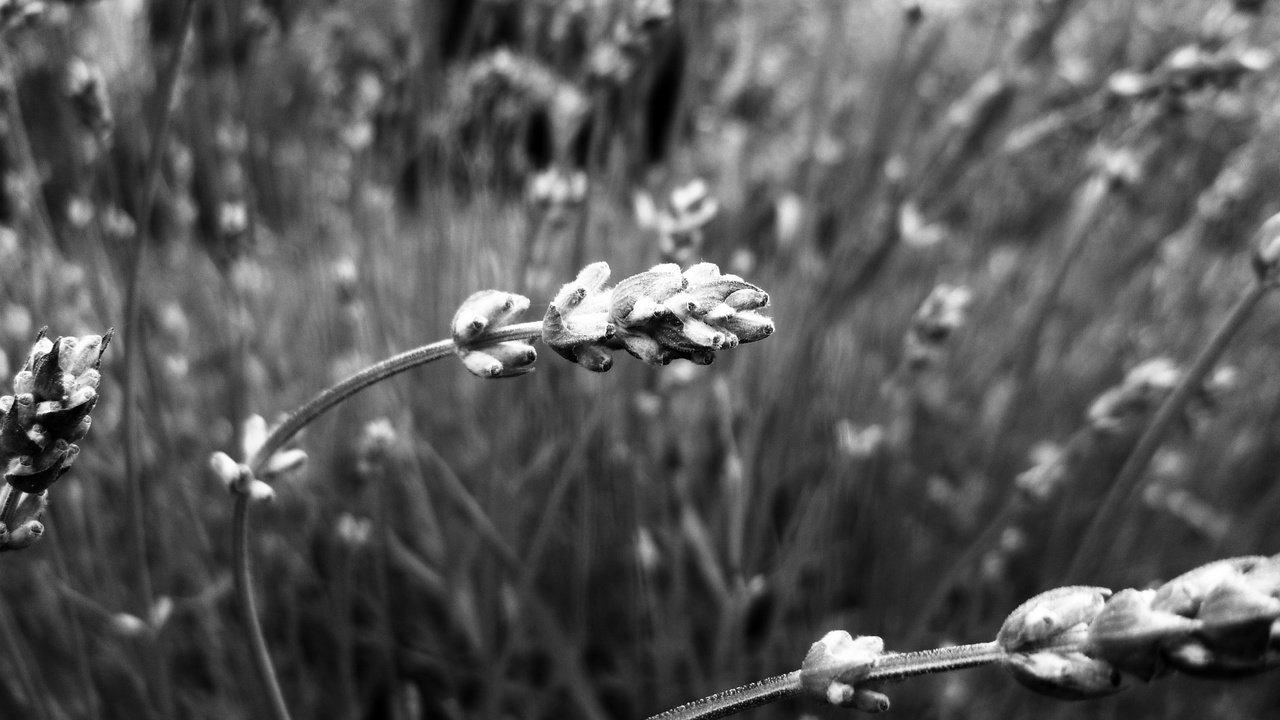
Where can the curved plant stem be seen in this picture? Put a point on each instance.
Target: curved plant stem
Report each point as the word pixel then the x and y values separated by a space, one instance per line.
pixel 888 668
pixel 1127 485
pixel 330 396
pixel 249 610
pixel 298 419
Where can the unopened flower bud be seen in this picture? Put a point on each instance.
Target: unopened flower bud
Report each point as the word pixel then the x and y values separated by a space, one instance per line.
pixel 253 434
pixel 504 359
pixel 1051 615
pixel 285 461
pixel 485 311
pixel 1184 594
pixel 576 324
pixel 228 471
pixel 1128 632
pixel 127 625
pixel 1065 675
pixel 259 491
pixel 24 535
pixel 1237 620
pixel 838 661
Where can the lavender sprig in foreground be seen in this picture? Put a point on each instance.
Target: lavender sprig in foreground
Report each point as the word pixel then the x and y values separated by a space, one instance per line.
pixel 658 316
pixel 1218 621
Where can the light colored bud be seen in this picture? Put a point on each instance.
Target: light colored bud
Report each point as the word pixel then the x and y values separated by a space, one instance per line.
pixel 285 461
pixel 1051 615
pixel 259 491
pixel 485 311
pixel 1184 594
pixel 127 625
pixel 1128 632
pixel 1065 675
pixel 839 659
pixel 161 611
pixel 1237 618
pixel 228 471
pixel 500 360
pixel 354 531
pixel 1266 253
pixel 253 434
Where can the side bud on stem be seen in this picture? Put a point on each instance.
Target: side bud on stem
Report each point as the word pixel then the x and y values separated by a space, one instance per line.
pixel 481 314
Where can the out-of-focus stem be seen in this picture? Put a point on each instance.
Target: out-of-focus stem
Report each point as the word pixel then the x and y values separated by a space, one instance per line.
pixel 249 610
pixel 1124 491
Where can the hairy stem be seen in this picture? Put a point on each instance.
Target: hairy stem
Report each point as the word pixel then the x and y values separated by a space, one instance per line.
pixel 889 667
pixel 736 700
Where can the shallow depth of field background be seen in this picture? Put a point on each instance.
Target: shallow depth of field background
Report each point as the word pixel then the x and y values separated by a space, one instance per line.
pixel 341 174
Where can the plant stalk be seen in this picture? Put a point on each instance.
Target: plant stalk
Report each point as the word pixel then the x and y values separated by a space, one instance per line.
pixel 1127 485
pixel 889 667
pixel 298 419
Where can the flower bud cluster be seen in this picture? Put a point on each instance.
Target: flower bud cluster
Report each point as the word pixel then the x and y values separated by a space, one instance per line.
pixel 1220 620
pixel 481 314
pixel 658 315
pixel 40 423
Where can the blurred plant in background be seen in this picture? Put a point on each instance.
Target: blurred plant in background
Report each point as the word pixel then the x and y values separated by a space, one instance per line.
pixel 284 191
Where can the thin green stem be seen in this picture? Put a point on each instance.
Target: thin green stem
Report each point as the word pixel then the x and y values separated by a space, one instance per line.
pixel 1127 484
pixel 297 420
